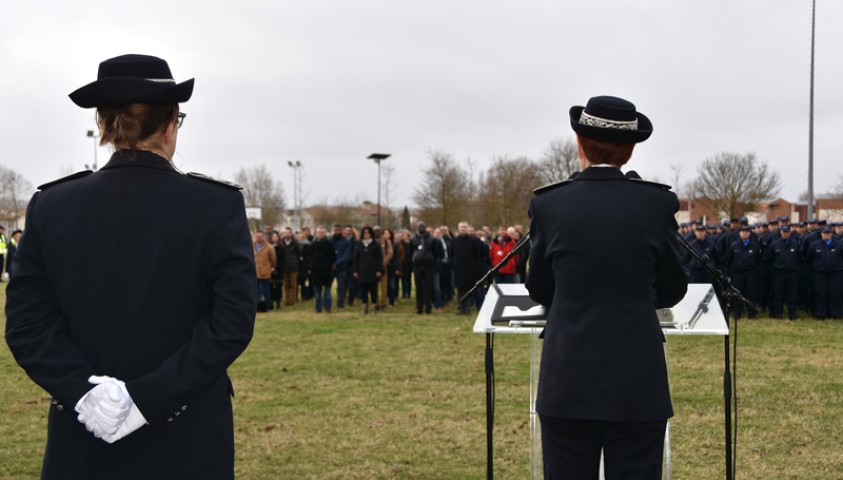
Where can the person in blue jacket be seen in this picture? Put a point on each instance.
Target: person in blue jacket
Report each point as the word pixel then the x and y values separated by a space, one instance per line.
pixel 743 259
pixel 784 258
pixel 343 253
pixel 826 259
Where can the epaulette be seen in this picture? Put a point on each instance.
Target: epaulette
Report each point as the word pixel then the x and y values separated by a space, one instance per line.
pixel 633 175
pixel 205 178
pixel 654 184
pixel 552 186
pixel 83 173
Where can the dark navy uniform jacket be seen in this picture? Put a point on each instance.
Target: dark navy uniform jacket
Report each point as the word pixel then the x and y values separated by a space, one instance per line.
pixel 784 254
pixel 145 274
pixel 742 257
pixel 823 257
pixel 706 248
pixel 603 356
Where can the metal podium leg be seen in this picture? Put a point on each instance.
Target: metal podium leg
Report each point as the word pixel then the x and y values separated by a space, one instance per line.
pixel 667 474
pixel 536 463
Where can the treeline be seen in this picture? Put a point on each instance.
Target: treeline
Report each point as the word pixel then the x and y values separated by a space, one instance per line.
pixel 450 191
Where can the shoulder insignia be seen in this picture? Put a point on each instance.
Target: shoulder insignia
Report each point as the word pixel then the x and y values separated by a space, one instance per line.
pixel 633 176
pixel 77 175
pixel 654 184
pixel 223 183
pixel 551 186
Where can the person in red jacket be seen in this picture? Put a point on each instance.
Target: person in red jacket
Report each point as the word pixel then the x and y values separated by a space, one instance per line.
pixel 500 248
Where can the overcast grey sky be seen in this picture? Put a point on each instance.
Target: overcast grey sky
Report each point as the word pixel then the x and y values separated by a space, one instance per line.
pixel 329 82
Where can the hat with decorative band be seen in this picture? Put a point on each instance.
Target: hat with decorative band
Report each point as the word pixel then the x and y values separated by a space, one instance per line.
pixel 610 119
pixel 133 79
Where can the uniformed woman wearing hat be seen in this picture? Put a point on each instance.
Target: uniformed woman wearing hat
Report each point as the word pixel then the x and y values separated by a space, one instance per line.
pixel 134 290
pixel 603 380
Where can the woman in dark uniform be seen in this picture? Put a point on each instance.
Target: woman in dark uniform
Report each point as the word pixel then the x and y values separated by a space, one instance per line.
pixel 134 290
pixel 603 380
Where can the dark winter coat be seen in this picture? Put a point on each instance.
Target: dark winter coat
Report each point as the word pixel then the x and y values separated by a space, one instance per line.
pixel 468 256
pixel 322 259
pixel 292 252
pixel 368 261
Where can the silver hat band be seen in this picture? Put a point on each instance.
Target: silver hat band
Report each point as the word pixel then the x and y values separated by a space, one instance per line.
pixel 586 119
pixel 160 80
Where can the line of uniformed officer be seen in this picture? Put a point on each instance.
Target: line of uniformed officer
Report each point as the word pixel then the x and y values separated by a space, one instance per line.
pixel 775 264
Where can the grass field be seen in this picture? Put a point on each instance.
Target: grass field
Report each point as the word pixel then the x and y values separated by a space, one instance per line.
pixel 400 396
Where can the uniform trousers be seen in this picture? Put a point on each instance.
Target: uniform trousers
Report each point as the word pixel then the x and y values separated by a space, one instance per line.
pixel 785 292
pixel 631 450
pixel 828 288
pixel 746 281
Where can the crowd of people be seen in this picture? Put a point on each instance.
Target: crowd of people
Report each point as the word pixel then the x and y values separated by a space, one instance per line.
pixel 777 265
pixel 781 267
pixel 376 266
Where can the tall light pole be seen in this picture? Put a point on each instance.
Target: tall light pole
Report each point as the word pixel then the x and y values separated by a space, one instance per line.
pixel 378 158
pixel 95 136
pixel 811 119
pixel 296 166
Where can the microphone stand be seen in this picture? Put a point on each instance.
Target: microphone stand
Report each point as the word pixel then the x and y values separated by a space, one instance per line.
pixel 730 295
pixel 484 282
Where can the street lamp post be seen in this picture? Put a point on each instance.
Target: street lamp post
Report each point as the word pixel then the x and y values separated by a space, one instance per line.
pixel 95 136
pixel 296 166
pixel 811 120
pixel 378 157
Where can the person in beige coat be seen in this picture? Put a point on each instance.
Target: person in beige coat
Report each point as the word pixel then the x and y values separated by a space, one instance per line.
pixel 264 265
pixel 388 252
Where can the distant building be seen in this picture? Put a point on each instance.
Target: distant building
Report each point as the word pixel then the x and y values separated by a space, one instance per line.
pixel 328 215
pixel 830 209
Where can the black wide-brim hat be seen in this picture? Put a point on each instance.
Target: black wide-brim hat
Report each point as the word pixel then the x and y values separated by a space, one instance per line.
pixel 610 119
pixel 133 79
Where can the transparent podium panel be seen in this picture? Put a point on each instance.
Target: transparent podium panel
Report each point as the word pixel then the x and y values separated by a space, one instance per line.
pixel 536 464
pixel 509 310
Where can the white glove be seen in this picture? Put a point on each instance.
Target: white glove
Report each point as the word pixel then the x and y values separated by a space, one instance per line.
pixel 103 409
pixel 107 410
pixel 134 420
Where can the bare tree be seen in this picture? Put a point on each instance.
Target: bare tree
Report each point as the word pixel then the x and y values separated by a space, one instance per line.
pixel 838 189
pixel 15 192
pixel 389 188
pixel 684 190
pixel 735 183
pixel 443 196
pixel 261 190
pixel 559 161
pixel 507 190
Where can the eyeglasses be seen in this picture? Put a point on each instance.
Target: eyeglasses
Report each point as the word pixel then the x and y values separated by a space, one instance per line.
pixel 180 119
